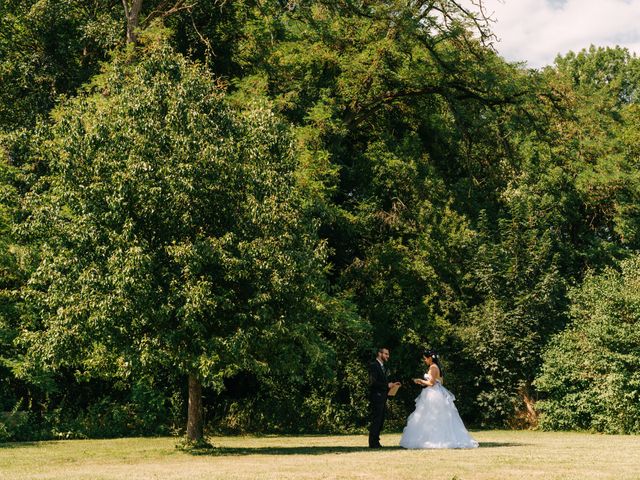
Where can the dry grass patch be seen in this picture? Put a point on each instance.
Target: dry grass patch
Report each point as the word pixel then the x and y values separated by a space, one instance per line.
pixel 504 455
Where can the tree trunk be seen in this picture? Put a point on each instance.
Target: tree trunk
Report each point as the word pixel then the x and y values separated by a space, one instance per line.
pixel 195 418
pixel 132 12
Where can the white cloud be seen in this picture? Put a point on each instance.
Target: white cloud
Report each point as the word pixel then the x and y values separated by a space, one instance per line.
pixel 536 31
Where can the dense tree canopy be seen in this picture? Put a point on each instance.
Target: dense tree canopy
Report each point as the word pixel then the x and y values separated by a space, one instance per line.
pixel 169 231
pixel 256 193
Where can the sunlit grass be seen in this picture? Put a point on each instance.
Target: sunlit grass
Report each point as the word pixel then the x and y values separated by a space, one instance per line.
pixel 502 455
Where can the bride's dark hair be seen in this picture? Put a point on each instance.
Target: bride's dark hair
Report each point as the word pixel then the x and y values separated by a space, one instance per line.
pixel 436 359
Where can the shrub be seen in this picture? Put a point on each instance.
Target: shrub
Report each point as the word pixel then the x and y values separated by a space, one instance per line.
pixel 591 373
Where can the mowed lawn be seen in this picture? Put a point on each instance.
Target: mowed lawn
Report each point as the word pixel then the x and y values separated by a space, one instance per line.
pixel 502 455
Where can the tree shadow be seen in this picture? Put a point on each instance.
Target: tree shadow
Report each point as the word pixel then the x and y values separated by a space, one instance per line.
pixel 310 450
pixel 313 450
pixel 276 450
pixel 9 445
pixel 501 444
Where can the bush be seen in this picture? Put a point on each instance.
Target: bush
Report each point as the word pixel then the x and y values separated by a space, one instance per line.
pixel 591 373
pixel 18 425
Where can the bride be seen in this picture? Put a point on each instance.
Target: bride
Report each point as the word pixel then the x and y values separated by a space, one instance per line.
pixel 435 423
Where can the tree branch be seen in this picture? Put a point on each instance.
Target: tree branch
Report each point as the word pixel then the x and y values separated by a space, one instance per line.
pixel 132 12
pixel 162 12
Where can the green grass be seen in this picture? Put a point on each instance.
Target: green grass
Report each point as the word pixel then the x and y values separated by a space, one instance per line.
pixel 503 455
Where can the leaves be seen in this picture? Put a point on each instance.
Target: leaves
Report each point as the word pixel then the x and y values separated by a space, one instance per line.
pixel 590 379
pixel 263 193
pixel 169 231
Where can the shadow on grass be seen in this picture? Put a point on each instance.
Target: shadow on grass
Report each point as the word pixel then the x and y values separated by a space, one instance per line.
pixel 315 450
pixel 8 445
pixel 500 444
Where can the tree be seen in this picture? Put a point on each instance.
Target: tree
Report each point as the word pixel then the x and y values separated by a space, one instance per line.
pixel 158 9
pixel 50 48
pixel 590 373
pixel 459 195
pixel 9 283
pixel 613 70
pixel 603 147
pixel 170 231
pixel 412 128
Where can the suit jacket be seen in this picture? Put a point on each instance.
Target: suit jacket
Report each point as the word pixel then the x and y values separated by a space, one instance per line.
pixel 378 380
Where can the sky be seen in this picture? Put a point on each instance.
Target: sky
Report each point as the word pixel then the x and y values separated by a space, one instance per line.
pixel 535 31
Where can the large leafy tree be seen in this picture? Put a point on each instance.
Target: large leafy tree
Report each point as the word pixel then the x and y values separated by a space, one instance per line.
pixel 170 231
pixel 427 158
pixel 413 131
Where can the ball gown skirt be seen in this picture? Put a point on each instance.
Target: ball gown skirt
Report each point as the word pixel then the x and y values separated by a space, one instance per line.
pixel 436 423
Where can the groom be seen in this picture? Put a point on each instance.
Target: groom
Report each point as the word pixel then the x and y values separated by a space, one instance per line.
pixel 379 386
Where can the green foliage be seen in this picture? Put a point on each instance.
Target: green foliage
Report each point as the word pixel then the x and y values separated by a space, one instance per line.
pixel 605 138
pixel 94 410
pixel 10 280
pixel 17 425
pixel 610 69
pixel 49 48
pixel 169 231
pixel 517 276
pixel 589 377
pixel 297 186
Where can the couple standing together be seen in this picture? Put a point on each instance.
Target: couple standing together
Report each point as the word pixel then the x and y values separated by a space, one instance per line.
pixel 435 423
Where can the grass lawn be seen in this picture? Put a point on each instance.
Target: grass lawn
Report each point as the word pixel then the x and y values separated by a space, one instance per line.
pixel 503 455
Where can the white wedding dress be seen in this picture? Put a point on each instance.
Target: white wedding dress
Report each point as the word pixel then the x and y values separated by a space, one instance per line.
pixel 436 423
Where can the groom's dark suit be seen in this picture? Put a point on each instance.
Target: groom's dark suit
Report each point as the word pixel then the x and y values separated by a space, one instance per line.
pixel 378 388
